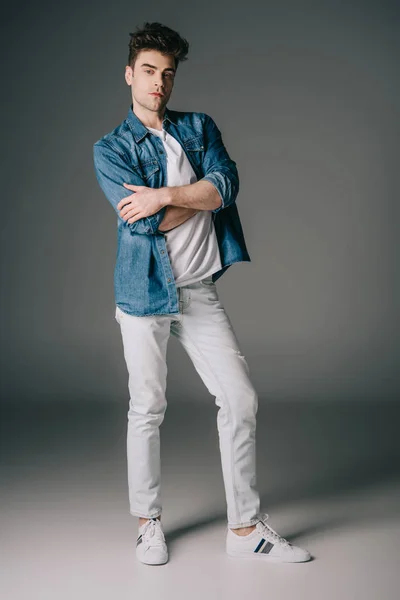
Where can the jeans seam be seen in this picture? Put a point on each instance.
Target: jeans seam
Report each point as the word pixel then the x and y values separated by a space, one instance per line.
pixel 230 420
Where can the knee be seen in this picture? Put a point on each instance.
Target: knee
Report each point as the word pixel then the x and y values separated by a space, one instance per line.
pixel 150 411
pixel 240 409
pixel 245 405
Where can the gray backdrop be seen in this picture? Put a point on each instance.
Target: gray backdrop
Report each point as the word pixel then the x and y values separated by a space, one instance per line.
pixel 306 96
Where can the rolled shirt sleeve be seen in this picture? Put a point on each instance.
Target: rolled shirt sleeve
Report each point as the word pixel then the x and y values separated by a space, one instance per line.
pixel 112 171
pixel 219 168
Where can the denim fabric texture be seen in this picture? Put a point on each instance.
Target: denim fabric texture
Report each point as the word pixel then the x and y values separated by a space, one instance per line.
pixel 143 279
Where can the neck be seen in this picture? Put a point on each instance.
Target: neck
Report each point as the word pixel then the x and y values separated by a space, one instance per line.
pixel 149 118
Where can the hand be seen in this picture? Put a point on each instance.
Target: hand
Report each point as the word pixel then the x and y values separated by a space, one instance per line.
pixel 145 201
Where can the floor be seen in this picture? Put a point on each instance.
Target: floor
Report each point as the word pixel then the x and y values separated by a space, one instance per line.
pixel 328 475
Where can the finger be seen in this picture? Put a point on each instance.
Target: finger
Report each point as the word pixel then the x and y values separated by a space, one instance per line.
pixel 124 211
pixel 124 201
pixel 130 206
pixel 131 186
pixel 134 216
pixel 129 211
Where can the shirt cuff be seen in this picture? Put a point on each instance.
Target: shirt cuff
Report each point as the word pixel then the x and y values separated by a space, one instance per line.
pixel 214 179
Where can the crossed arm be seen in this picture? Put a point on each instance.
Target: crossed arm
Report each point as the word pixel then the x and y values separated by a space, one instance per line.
pixel 176 215
pixel 148 210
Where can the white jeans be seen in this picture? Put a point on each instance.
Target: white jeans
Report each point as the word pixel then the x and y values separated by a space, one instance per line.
pixel 206 333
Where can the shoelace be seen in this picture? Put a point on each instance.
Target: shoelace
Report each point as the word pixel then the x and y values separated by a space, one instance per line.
pixel 270 533
pixel 153 534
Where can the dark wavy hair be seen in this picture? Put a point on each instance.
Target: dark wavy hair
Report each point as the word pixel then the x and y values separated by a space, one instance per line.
pixel 154 36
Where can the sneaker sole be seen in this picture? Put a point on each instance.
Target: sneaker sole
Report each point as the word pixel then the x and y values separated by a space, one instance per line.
pixel 153 563
pixel 276 559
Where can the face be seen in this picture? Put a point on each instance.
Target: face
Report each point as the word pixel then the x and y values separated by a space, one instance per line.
pixel 153 72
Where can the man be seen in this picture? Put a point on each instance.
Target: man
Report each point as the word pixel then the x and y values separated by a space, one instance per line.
pixel 173 185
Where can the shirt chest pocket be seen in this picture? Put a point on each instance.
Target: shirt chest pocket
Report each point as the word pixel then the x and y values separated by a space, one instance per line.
pixel 149 171
pixel 195 148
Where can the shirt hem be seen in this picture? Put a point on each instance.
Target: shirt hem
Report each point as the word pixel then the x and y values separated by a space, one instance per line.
pixel 192 281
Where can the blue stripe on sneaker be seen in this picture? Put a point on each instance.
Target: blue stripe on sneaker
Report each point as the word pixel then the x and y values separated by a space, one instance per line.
pixel 259 545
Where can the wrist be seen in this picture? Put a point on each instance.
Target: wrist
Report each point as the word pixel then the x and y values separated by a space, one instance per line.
pixel 167 196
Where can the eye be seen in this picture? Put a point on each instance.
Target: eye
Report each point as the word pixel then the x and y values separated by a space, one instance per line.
pixel 148 71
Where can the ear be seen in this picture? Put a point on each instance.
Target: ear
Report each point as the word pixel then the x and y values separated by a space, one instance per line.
pixel 128 75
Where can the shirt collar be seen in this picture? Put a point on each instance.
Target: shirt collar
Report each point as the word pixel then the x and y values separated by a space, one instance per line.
pixel 137 127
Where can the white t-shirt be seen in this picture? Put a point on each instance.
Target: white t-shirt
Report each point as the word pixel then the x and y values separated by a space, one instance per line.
pixel 192 246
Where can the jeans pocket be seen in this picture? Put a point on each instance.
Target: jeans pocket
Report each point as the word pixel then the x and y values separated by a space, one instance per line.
pixel 207 281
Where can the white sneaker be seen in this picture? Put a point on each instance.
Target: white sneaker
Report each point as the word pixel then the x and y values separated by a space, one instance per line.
pixel 151 547
pixel 264 542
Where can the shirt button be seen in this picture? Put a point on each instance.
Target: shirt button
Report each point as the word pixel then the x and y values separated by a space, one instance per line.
pixel 162 251
pixel 169 279
pixel 161 151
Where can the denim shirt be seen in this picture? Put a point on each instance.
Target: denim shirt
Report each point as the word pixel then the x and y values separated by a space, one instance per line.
pixel 144 283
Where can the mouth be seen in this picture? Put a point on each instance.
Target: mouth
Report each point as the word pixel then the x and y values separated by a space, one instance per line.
pixel 155 94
